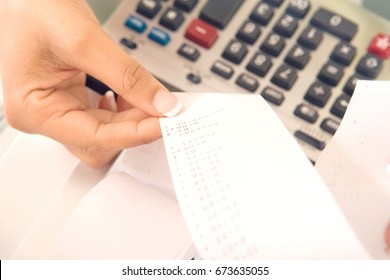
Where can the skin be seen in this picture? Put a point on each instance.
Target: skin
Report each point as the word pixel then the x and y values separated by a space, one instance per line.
pixel 44 55
pixel 387 239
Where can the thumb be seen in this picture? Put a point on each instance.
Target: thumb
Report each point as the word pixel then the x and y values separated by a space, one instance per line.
pixel 92 51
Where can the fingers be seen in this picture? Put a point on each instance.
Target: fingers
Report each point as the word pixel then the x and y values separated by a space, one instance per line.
pixel 43 80
pixel 97 136
pixel 108 102
pixel 92 51
pixel 122 104
pixel 128 78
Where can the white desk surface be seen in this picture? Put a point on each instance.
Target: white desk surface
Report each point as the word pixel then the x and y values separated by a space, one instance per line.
pixel 41 182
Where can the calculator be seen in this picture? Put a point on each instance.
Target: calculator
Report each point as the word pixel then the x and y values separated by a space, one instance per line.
pixel 304 57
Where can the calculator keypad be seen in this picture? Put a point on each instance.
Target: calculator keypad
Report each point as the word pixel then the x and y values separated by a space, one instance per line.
pixel 219 12
pixel 303 56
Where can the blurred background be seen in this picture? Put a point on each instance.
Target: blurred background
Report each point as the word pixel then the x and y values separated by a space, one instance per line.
pixel 103 8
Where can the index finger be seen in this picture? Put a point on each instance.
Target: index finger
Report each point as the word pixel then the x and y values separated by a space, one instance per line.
pixel 96 136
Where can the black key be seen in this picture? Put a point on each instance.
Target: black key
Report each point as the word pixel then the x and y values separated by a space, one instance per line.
pixel 129 43
pixel 235 51
pixel 285 76
pixel 311 140
pixel 259 64
pixel 306 113
pixel 273 44
pixel 334 24
pixel 298 57
pixel 275 3
pixel 185 5
pixel 220 12
pixel 369 65
pixel 350 85
pixel 311 37
pixel 272 95
pixel 249 32
pixel 298 8
pixel 343 53
pixel 96 85
pixel 331 73
pixel 262 14
pixel 149 8
pixel 330 125
pixel 247 82
pixel 340 106
pixel 189 52
pixel 286 25
pixel 222 69
pixel 318 94
pixel 194 78
pixel 172 19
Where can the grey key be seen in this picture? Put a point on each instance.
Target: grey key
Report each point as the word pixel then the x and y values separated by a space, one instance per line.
pixel 185 5
pixel 128 43
pixel 311 37
pixel 286 25
pixel 272 95
pixel 220 12
pixel 259 64
pixel 194 78
pixel 369 65
pixel 247 82
pixel 275 3
pixel 318 94
pixel 330 125
pixel 298 8
pixel 149 8
pixel 273 44
pixel 331 73
pixel 298 57
pixel 235 51
pixel 306 113
pixel 262 14
pixel 189 52
pixel 172 18
pixel 334 24
pixel 350 85
pixel 222 69
pixel 340 106
pixel 249 32
pixel 285 76
pixel 318 144
pixel 343 53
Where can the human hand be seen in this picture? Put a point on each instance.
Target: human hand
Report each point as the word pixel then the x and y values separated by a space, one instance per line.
pixel 46 47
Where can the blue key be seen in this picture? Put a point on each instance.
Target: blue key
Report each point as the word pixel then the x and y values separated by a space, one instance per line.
pixel 136 24
pixel 159 36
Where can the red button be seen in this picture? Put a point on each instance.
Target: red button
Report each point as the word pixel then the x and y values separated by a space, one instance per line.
pixel 380 45
pixel 201 33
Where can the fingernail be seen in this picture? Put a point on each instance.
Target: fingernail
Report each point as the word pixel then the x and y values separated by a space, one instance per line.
pixel 166 103
pixel 111 100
